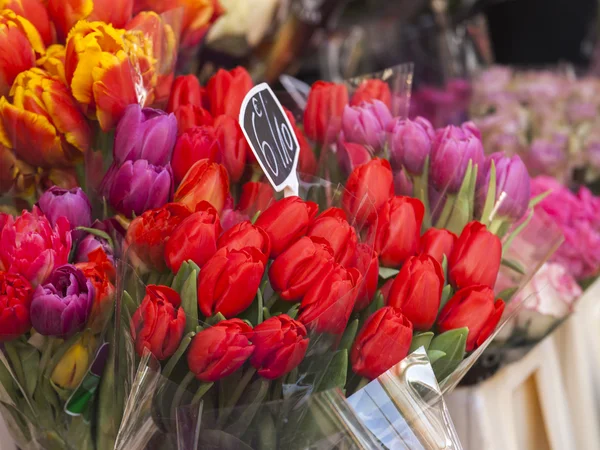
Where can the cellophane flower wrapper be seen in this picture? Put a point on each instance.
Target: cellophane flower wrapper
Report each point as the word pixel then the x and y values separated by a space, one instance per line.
pixel 163 404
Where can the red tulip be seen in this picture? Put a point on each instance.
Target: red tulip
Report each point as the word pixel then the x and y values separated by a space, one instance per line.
pixel 368 188
pixel 186 90
pixel 226 91
pixel 382 343
pixel 327 305
pixel 280 344
pixel 256 196
pixel 243 235
pixel 194 144
pixel 398 229
pixel 367 263
pixel 302 265
pixel 332 225
pixel 286 221
pixel 147 234
pixel 15 299
pixel 417 291
pixel 158 323
pixel 228 282
pixel 195 238
pixel 233 146
pixel 189 116
pixel 220 350
pixel 472 307
pixel 475 258
pixel 307 161
pixel 323 113
pixel 372 89
pixel 117 13
pixel 437 243
pixel 206 181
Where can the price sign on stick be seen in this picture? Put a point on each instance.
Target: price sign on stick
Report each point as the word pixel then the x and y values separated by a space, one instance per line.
pixel 271 138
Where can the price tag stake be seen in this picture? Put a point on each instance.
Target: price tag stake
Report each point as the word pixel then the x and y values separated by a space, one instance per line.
pixel 271 138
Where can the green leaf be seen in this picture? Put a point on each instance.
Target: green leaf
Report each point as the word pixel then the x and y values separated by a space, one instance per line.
pixel 189 302
pixel 514 265
pixel 516 232
pixel 435 355
pixel 183 345
pixel 15 362
pixel 445 266
pixel 267 434
pixel 387 272
pixel 349 334
pixel 490 199
pixel 182 274
pixel 213 320
pixel 30 360
pixel 421 191
pixel 446 295
pixel 421 340
pixel 453 344
pixel 255 217
pixel 463 204
pixel 253 398
pixel 193 266
pixel 335 375
pixel 538 198
pixel 266 313
pixel 507 293
pixel 293 311
pixel 376 304
pixel 99 233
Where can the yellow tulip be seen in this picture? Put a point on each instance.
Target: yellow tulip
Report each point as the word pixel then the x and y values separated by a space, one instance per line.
pixel 74 364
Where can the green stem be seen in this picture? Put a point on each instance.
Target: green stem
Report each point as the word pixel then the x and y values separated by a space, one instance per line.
pixel 260 306
pixel 239 390
pixel 446 212
pixel 362 383
pixel 179 393
pixel 46 354
pixel 203 389
pixel 272 300
pixel 178 353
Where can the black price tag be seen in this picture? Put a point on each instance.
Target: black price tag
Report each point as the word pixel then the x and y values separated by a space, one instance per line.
pixel 271 137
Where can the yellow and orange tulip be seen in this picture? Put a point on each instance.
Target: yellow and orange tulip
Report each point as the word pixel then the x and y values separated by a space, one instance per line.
pixel 53 62
pixel 21 44
pixel 108 69
pixel 43 123
pixel 35 12
pixel 66 13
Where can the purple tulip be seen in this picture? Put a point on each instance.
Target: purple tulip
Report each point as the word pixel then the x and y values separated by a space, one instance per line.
pixel 92 242
pixel 70 203
pixel 402 184
pixel 451 152
pixel 366 124
pixel 62 306
pixel 410 144
pixel 146 133
pixel 138 186
pixel 513 180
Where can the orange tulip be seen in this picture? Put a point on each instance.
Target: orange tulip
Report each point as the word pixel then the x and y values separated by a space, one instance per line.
pixel 16 174
pixel 36 13
pixel 20 43
pixel 205 180
pixel 108 69
pixel 43 123
pixel 53 62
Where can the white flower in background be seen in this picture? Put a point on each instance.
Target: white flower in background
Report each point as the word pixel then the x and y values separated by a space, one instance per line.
pixel 244 18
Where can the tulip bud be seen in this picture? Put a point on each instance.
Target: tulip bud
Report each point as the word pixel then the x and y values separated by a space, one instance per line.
pixel 158 323
pixel 397 230
pixel 186 90
pixel 101 273
pixel 74 364
pixel 218 351
pixel 383 342
pixel 189 116
pixel 286 221
pixel 372 89
pixel 145 134
pixel 62 305
pixel 437 242
pixel 332 226
pixel 323 113
pixel 367 263
pixel 472 307
pixel 410 143
pixel 194 144
pixel 70 203
pixel 137 186
pixel 15 299
pixel 280 344
pixel 232 145
pixel 243 235
pixel 351 155
pixel 327 305
pixel 204 181
pixel 475 258
pixel 368 187
pixel 195 238
pixel 226 91
pixel 513 181
pixel 417 291
pixel 366 124
pixel 255 197
pixel 451 152
pixel 228 282
pixel 302 265
pixel 147 234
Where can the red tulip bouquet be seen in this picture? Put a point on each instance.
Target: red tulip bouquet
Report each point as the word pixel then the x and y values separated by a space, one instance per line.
pixel 57 295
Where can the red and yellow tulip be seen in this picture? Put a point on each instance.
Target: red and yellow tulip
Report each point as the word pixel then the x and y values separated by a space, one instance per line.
pixel 35 12
pixel 53 62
